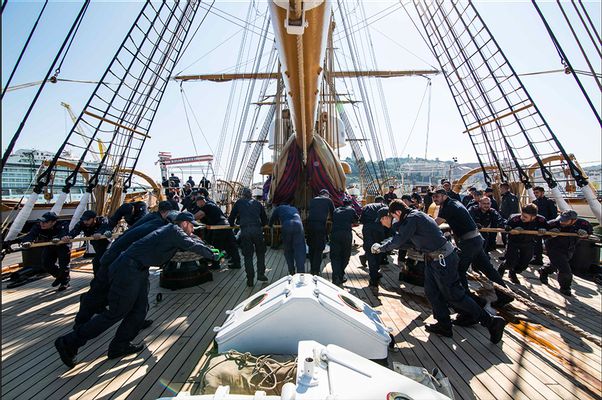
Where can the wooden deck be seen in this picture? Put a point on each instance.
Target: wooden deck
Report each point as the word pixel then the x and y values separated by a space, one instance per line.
pixel 536 359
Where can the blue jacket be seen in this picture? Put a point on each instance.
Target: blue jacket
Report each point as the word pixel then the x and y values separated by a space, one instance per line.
pixel 419 229
pixel 159 246
pixel 36 233
pixel 320 208
pixel 130 236
pixel 249 213
pixel 285 213
pixel 343 219
pixel 125 210
pixel 457 217
pixel 101 225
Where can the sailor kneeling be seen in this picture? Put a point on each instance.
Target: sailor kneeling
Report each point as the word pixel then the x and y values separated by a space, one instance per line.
pixel 441 281
pixel 128 290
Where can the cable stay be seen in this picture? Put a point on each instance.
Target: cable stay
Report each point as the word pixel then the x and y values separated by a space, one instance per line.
pixel 72 32
pixel 500 117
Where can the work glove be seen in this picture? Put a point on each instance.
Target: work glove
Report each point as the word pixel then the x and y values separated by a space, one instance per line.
pixel 96 236
pixel 555 230
pixel 108 234
pixel 26 245
pixel 542 231
pixel 375 249
pixel 507 228
pixel 582 233
pixel 479 226
pixel 55 240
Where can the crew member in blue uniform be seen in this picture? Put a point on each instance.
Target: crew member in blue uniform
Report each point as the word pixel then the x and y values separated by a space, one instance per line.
pixel 562 248
pixel 341 240
pixel 469 197
pixel 130 212
pixel 441 281
pixel 470 243
pixel 390 195
pixel 520 248
pixel 49 228
pixel 448 189
pixel 293 236
pixel 128 292
pixel 163 208
pixel 546 208
pixel 320 208
pixel 489 193
pixel 251 218
pixel 98 227
pixel 94 300
pixel 509 205
pixel 223 239
pixel 372 232
pixel 486 217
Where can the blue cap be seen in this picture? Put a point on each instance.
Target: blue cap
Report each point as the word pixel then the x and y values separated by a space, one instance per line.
pixel 186 216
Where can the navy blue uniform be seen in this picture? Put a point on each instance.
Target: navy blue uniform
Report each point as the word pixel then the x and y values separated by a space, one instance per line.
pixel 389 197
pixel 320 208
pixel 148 217
pixel 453 195
pixel 562 248
pixel 520 249
pixel 52 254
pixel 489 219
pixel 130 212
pixel 470 242
pixel 251 217
pixel 128 292
pixel 100 226
pixel 222 239
pixel 341 239
pixel 95 299
pixel 441 281
pixel 293 236
pixel 372 232
pixel 546 208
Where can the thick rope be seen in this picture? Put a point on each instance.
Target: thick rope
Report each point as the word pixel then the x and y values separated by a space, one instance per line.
pixel 265 366
pixel 534 307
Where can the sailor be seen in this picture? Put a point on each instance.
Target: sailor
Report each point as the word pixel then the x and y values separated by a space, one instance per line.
pixel 205 183
pixel 546 208
pixel 489 193
pixel 486 217
pixel 372 232
pixel 469 197
pixel 470 243
pixel 49 228
pixel 341 238
pixel 561 249
pixel 509 204
pixel 223 239
pixel 251 217
pixel 163 208
pixel 129 287
pixel 165 184
pixel 94 300
pixel 390 196
pixel 519 251
pixel 408 201
pixel 174 200
pixel 186 189
pixel 477 195
pixel 130 212
pixel 189 202
pixel 320 208
pixel 417 198
pixel 190 182
pixel 450 193
pixel 174 181
pixel 293 236
pixel 97 227
pixel 441 282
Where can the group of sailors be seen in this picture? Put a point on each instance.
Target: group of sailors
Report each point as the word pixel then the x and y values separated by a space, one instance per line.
pixel 119 290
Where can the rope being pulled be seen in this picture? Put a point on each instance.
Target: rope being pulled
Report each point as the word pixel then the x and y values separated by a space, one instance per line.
pixel 534 307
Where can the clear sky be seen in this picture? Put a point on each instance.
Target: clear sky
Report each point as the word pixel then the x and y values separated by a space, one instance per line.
pixel 397 44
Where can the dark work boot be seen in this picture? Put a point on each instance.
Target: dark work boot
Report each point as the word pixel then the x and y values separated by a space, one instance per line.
pixel 126 351
pixel 146 324
pixel 537 262
pixel 566 291
pixel 56 282
pixel 502 269
pixel 250 282
pixel 464 320
pixel 514 278
pixel 363 260
pixel 543 275
pixel 262 278
pixel 496 329
pixel 66 353
pixel 440 329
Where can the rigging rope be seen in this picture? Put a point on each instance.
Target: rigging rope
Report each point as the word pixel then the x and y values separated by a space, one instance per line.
pixel 33 29
pixel 15 137
pixel 196 152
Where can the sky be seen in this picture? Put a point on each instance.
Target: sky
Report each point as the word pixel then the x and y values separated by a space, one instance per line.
pixel 397 44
